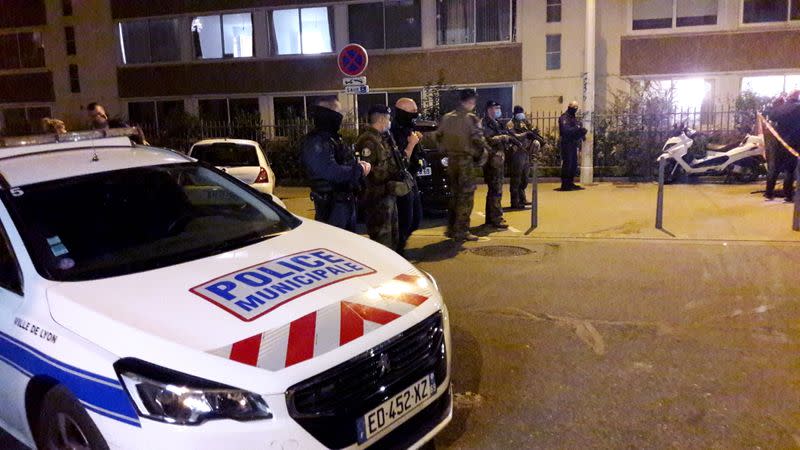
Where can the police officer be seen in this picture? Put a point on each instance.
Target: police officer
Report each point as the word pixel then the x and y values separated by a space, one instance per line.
pixel 409 206
pixel 786 117
pixel 334 173
pixel 387 181
pixel 521 156
pixel 572 133
pixel 461 138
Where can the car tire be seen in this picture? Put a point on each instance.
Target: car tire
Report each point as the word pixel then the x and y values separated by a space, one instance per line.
pixel 63 424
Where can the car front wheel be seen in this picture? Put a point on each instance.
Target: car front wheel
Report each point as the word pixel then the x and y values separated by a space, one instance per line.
pixel 63 424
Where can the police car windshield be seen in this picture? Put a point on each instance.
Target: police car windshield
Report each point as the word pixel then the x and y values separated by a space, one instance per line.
pixel 226 154
pixel 125 221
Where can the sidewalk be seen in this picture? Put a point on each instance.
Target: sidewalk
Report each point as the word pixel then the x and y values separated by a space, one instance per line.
pixel 627 211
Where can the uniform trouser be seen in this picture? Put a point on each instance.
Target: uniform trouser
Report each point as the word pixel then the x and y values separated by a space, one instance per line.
pixel 409 214
pixel 340 213
pixel 569 164
pixel 784 163
pixel 518 178
pixel 462 184
pixel 493 176
pixel 382 222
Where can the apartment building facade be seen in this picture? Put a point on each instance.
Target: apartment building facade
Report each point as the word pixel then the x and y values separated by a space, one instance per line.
pixel 221 59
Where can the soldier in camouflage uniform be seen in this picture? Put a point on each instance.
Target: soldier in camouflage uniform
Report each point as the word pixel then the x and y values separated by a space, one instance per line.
pixel 493 172
pixel 387 180
pixel 520 165
pixel 461 138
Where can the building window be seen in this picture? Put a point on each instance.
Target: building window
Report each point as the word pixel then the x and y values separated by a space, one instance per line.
pixel 470 21
pixel 21 50
pixel 553 51
pixel 761 11
pixel 69 35
pixel 660 14
pixel 66 8
pixel 229 110
pixel 156 113
pixel 74 79
pixel 402 24
pixel 145 41
pixel 306 31
pixel 553 11
pixel 22 121
pixel 223 36
pixel 688 94
pixel 770 85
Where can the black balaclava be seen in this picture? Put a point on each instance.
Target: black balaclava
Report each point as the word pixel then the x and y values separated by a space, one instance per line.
pixel 572 111
pixel 326 119
pixel 404 118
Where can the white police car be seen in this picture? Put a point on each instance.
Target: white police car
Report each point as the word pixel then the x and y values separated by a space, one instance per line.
pixel 149 301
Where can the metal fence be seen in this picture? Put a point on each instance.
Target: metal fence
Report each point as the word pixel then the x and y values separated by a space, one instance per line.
pixel 625 143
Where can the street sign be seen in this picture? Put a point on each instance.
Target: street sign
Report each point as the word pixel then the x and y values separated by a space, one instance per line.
pixel 353 60
pixel 354 81
pixel 358 90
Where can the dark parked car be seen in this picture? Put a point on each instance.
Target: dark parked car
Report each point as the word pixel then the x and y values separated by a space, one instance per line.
pixel 433 184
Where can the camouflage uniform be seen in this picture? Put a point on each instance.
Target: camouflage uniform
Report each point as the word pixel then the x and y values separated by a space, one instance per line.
pixel 385 183
pixel 493 171
pixel 520 165
pixel 461 138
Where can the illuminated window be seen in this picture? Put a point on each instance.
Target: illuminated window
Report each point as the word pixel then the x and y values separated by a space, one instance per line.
pixel 771 85
pixel 223 36
pixel 689 94
pixel 306 31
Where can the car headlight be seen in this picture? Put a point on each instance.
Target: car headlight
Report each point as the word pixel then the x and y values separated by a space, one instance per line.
pixel 172 397
pixel 445 161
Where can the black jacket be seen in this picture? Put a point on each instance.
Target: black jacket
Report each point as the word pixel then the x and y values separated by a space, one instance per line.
pixel 400 134
pixel 787 123
pixel 571 130
pixel 330 165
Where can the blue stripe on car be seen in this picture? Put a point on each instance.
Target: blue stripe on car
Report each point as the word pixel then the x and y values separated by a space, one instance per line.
pixel 102 395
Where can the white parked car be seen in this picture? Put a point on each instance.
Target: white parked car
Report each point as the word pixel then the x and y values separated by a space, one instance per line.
pixel 150 302
pixel 241 158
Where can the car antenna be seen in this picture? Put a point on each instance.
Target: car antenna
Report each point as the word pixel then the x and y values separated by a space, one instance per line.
pixel 95 158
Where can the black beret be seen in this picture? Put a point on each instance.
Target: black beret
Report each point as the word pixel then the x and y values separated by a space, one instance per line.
pixel 467 94
pixel 379 109
pixel 491 104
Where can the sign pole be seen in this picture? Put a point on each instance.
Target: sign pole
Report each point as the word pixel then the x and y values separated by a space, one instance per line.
pixel 355 111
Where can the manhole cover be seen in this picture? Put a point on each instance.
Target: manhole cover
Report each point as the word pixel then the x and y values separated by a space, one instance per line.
pixel 500 251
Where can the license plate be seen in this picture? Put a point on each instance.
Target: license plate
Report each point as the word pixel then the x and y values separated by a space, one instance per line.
pixel 395 408
pixel 425 172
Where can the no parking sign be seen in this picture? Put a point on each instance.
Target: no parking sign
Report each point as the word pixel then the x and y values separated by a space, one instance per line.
pixel 353 60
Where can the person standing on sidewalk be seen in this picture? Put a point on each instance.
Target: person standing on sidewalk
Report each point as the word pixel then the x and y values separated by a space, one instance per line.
pixel 786 117
pixel 409 206
pixel 494 170
pixel 461 138
pixel 387 181
pixel 572 133
pixel 520 166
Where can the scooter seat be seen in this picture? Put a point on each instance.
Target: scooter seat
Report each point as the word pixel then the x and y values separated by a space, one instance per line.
pixel 722 147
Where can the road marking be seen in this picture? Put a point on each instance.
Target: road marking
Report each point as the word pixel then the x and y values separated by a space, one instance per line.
pixel 514 230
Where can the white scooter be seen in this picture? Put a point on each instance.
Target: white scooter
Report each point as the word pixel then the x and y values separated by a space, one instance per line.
pixel 740 162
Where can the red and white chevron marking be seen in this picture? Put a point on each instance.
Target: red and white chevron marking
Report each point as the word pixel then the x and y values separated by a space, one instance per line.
pixel 331 327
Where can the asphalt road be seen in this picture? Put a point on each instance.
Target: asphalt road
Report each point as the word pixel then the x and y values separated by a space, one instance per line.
pixel 605 333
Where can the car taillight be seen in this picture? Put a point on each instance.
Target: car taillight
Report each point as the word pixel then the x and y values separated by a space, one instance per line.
pixel 262 177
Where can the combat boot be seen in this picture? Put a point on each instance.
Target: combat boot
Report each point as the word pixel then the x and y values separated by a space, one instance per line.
pixel 466 237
